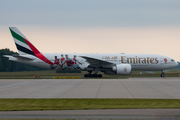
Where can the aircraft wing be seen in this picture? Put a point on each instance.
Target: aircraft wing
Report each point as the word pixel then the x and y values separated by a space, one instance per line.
pixel 97 62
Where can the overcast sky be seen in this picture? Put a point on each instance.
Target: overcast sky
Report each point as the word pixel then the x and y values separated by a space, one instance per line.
pixel 94 26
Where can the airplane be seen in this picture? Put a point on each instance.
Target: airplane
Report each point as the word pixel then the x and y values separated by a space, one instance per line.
pixel 111 64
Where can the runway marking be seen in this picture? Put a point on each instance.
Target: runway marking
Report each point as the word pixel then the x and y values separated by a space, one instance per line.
pixel 35 91
pixel 17 83
pixel 158 90
pixel 127 89
pixel 99 88
pixel 14 84
pixel 168 84
pixel 162 88
pixel 72 88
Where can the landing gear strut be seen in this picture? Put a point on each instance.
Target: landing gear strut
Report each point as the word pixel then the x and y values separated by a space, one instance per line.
pixel 92 75
pixel 162 74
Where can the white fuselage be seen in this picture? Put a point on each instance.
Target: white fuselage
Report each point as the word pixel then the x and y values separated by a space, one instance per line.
pixel 147 62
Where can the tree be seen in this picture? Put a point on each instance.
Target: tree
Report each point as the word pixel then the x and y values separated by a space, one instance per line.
pixel 10 66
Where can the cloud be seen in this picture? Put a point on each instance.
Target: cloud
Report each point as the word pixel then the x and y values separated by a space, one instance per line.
pixel 103 26
pixel 82 13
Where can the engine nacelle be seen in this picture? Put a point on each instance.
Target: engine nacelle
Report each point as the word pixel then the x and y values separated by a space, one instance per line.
pixel 122 69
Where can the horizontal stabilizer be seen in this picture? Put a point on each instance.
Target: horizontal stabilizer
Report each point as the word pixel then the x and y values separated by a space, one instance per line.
pixel 19 57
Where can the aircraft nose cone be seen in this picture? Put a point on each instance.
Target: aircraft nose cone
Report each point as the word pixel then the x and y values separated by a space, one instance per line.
pixel 175 64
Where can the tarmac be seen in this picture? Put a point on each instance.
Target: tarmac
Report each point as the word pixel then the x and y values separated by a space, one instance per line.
pixel 108 114
pixel 159 88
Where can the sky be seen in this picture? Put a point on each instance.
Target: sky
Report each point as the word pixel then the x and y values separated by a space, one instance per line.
pixel 94 26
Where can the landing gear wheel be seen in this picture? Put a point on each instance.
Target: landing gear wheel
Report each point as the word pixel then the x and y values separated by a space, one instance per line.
pixel 86 75
pixel 162 75
pixel 100 76
pixel 90 75
pixel 95 75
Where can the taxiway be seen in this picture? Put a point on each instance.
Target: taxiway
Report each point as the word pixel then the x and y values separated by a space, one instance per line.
pixel 159 88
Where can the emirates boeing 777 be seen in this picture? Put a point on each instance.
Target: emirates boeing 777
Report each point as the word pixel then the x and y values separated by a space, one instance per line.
pixel 112 64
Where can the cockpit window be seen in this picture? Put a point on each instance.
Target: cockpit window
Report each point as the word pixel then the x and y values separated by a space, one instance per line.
pixel 172 60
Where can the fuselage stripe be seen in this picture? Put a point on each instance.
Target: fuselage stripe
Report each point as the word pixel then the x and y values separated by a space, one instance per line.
pixel 22 44
pixel 18 37
pixel 25 50
pixel 37 53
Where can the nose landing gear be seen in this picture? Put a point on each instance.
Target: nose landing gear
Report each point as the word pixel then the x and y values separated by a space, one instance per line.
pixel 162 73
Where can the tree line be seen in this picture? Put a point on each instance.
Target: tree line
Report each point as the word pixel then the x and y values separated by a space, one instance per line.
pixel 11 66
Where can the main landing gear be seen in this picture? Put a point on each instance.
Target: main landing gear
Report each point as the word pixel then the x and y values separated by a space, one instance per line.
pixel 92 75
pixel 162 73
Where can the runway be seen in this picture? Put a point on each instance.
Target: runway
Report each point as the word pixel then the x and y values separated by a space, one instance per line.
pixel 160 88
pixel 108 114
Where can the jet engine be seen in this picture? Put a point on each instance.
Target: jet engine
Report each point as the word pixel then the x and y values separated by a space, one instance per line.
pixel 122 69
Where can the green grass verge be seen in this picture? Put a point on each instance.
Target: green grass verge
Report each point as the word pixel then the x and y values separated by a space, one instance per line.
pixel 81 104
pixel 42 119
pixel 45 119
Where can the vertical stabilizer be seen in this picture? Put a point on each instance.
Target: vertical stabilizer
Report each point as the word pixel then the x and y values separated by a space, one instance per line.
pixel 20 42
pixel 24 46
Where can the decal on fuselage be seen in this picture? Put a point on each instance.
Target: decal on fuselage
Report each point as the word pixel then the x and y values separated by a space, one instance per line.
pixel 139 60
pixel 110 58
pixel 165 60
pixel 66 63
pixel 125 69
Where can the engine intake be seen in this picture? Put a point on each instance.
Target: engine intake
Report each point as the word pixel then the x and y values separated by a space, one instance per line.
pixel 122 69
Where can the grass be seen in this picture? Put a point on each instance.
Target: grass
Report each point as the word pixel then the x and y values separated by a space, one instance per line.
pixel 82 104
pixel 40 119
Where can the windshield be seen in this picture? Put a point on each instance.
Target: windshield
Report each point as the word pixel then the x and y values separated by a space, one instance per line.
pixel 172 60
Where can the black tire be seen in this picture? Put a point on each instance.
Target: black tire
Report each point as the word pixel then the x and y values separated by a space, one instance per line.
pixel 95 75
pixel 100 76
pixel 162 75
pixel 86 75
pixel 90 75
